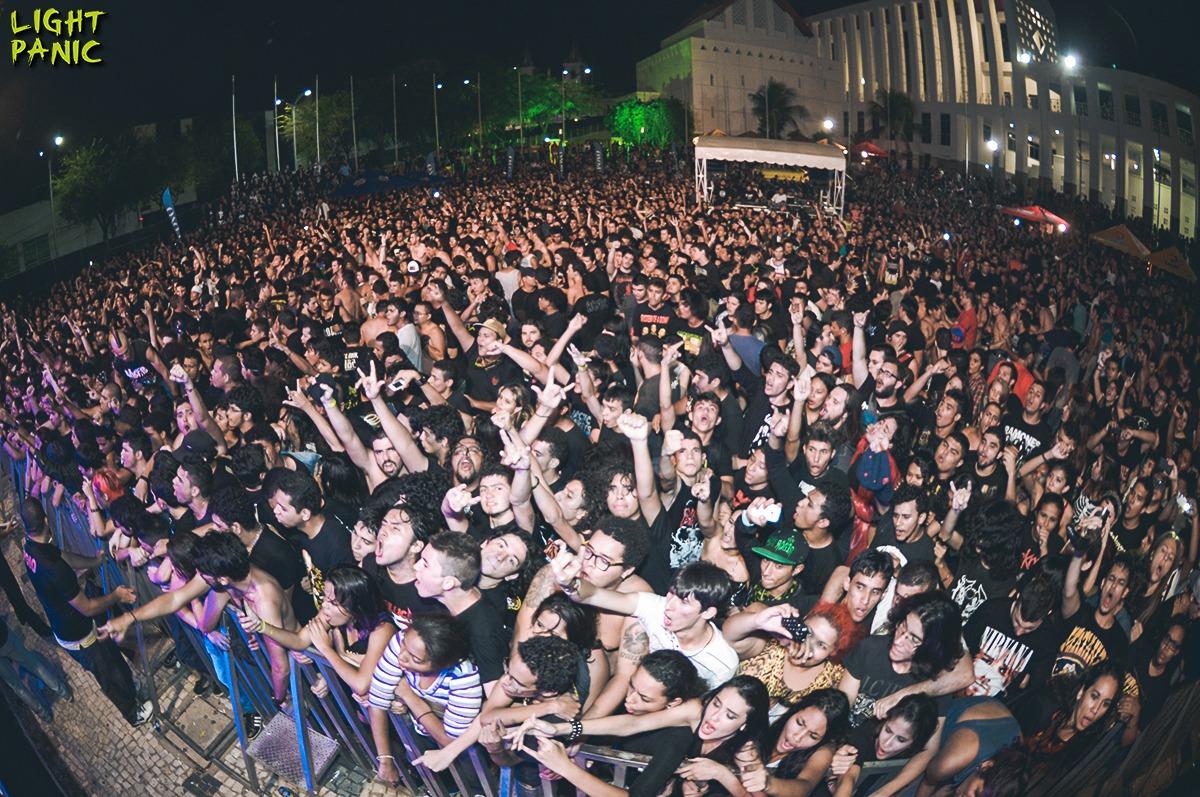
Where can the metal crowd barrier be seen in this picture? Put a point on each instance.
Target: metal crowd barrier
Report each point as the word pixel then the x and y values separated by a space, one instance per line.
pixel 1108 770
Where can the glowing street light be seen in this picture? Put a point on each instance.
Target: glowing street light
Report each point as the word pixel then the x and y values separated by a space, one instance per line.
pixel 1023 57
pixel 1070 61
pixel 827 124
pixel 992 145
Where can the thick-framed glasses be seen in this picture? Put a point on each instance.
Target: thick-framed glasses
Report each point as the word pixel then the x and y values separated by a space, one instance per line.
pixel 602 564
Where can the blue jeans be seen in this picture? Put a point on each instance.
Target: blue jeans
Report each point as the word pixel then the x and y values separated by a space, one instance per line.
pixel 220 663
pixel 14 657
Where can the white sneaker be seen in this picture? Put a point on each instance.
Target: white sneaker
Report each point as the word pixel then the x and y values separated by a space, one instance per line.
pixel 144 712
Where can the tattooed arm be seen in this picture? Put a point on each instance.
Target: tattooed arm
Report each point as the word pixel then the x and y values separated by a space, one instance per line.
pixel 634 645
pixel 542 587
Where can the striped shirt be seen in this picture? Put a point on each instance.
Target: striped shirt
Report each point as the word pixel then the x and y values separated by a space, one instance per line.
pixel 456 695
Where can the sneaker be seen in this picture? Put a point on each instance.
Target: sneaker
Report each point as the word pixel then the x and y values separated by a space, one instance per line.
pixel 65 693
pixel 144 713
pixel 253 723
pixel 202 686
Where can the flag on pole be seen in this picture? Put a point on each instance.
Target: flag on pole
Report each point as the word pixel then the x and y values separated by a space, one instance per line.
pixel 169 206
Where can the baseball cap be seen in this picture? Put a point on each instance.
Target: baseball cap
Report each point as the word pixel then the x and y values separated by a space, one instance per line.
pixel 785 547
pixel 834 354
pixel 198 446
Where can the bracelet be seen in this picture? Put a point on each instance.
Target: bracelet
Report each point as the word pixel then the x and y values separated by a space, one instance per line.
pixel 419 716
pixel 540 415
pixel 262 626
pixel 576 730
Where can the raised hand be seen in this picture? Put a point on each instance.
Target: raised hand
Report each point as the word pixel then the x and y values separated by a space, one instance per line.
pixel 801 388
pixel 719 334
pixel 633 426
pixel 577 322
pixel 516 453
pixel 672 442
pixel 179 375
pixel 459 499
pixel 369 384
pixel 702 487
pixel 960 497
pixel 860 319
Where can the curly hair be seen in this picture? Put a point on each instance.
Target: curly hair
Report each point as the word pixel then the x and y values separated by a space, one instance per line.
pixel 554 663
pixel 995 534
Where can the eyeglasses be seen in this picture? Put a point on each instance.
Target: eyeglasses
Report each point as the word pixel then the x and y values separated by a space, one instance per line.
pixel 602 564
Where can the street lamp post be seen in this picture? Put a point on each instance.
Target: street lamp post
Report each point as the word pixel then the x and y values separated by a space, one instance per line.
pixel 275 119
pixel 318 101
pixel 520 110
pixel 478 105
pixel 395 129
pixel 295 132
pixel 437 138
pixel 48 153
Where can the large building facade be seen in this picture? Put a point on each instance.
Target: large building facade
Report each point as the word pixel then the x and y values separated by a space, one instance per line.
pixel 990 87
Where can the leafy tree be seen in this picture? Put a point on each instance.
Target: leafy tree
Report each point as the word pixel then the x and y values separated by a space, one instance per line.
pixel 892 112
pixel 335 126
pixel 100 181
pixel 778 102
pixel 209 154
pixel 656 123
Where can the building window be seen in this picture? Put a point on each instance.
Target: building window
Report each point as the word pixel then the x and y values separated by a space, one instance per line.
pixel 862 121
pixel 36 250
pixel 1133 111
pixel 944 137
pixel 1158 117
pixel 833 49
pixel 926 124
pixel 987 132
pixel 1081 101
pixel 738 12
pixel 760 14
pixel 712 80
pixel 1106 103
pixel 846 122
pixel 1035 151
pixel 781 21
pixel 1183 122
pixel 1012 142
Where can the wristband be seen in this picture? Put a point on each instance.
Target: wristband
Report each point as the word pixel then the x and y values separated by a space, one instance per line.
pixel 576 730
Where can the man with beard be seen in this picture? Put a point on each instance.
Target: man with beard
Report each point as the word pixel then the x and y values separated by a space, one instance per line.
pixel 1012 639
pixel 224 573
pixel 878 377
pixel 903 529
pixel 991 479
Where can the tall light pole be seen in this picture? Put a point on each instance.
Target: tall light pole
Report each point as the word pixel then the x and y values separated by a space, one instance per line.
pixel 48 154
pixel 478 105
pixel 395 136
pixel 233 100
pixel 353 126
pixel 437 138
pixel 295 132
pixel 520 110
pixel 318 99
pixel 275 118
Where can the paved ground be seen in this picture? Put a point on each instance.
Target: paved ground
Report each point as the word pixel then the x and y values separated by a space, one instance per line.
pixel 108 757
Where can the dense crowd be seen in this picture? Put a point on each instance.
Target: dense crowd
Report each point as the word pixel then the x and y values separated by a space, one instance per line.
pixel 762 493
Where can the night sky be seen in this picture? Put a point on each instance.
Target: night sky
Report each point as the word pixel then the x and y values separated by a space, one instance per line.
pixel 173 59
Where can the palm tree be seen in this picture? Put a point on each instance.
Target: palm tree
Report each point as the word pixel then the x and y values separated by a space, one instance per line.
pixel 893 112
pixel 775 108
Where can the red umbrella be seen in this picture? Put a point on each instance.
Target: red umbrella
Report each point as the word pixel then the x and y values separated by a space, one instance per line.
pixel 1036 214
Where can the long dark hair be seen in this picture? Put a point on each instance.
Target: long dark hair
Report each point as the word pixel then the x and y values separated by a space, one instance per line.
pixel 830 702
pixel 356 592
pixel 579 620
pixel 758 702
pixel 941 624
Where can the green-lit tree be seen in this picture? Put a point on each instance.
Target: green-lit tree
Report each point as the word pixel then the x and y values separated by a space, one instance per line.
pixel 776 109
pixel 335 126
pixel 97 182
pixel 209 149
pixel 657 122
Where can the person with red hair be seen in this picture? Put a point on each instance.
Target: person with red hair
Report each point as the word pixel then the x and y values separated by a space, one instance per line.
pixel 792 657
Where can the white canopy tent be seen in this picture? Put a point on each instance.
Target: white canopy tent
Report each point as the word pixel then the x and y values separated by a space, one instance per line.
pixel 804 154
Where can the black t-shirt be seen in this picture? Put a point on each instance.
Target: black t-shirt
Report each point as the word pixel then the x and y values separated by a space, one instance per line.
pixel 666 747
pixel 682 525
pixel 280 560
pixel 489 643
pixel 484 380
pixel 1085 643
pixel 1002 659
pixel 506 603
pixel 819 566
pixel 990 487
pixel 919 549
pixel 656 567
pixel 136 368
pixel 330 548
pixel 597 308
pixel 402 600
pixel 1028 438
pixel 651 323
pixel 869 663
pixel 974 584
pixel 56 586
